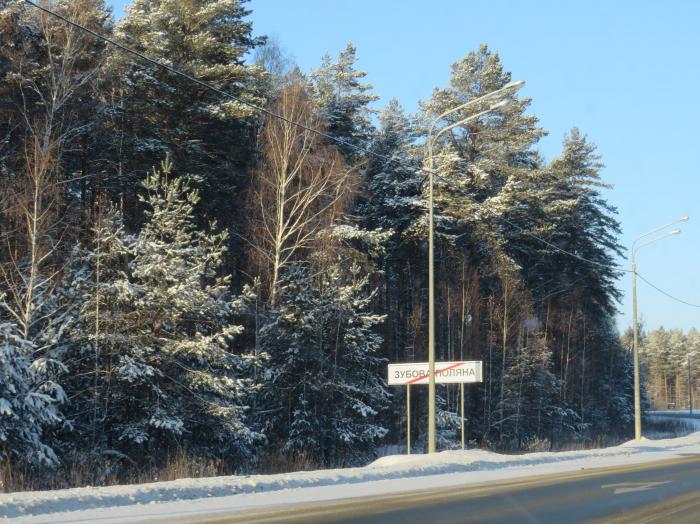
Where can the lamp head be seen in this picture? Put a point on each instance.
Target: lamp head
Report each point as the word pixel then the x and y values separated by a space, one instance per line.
pixel 498 105
pixel 516 84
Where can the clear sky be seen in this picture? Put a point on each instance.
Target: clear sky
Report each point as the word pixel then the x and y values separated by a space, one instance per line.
pixel 626 72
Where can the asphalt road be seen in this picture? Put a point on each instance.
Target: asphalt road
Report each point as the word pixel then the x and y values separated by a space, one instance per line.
pixel 659 492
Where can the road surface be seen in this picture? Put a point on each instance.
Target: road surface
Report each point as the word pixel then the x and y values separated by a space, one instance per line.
pixel 659 492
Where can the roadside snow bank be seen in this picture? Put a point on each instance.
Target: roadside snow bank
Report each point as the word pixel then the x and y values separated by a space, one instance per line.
pixel 441 469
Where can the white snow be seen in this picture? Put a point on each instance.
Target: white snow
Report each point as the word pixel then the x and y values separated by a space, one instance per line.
pixel 395 473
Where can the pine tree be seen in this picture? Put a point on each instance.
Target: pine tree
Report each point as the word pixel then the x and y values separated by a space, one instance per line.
pixel 391 198
pixel 209 137
pixel 343 100
pixel 154 335
pixel 584 223
pixel 497 145
pixel 488 169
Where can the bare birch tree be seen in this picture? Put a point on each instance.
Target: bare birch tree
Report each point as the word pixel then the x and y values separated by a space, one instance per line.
pixel 50 75
pixel 299 187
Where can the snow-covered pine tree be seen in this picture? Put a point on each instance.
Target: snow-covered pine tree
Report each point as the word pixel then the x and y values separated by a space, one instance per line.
pixel 343 100
pixel 585 223
pixel 154 336
pixel 578 298
pixel 209 137
pixel 327 387
pixel 29 399
pixel 498 145
pixel 477 163
pixel 488 168
pixel 95 280
pixel 391 197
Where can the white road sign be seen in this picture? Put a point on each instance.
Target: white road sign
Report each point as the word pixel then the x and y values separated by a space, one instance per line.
pixel 445 373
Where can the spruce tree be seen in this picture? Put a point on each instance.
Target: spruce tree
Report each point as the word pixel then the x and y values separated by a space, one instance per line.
pixel 29 400
pixel 532 411
pixel 326 368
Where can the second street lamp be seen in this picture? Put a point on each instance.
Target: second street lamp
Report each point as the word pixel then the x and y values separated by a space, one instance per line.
pixel 431 271
pixel 635 351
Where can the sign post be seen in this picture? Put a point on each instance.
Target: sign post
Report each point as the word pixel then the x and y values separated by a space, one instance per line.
pixel 461 405
pixel 445 373
pixel 408 419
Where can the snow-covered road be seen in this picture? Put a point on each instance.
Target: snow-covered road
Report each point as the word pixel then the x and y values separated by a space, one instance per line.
pixel 392 474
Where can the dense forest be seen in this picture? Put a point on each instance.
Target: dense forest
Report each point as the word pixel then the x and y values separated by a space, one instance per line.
pixel 186 278
pixel 670 364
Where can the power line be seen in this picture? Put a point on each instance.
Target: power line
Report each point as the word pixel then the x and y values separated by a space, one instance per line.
pixel 599 264
pixel 668 294
pixel 557 248
pixel 207 85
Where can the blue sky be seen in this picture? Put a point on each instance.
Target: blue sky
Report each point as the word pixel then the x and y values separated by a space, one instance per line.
pixel 625 72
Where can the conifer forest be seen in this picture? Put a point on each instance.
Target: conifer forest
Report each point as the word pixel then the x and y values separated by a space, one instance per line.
pixel 188 281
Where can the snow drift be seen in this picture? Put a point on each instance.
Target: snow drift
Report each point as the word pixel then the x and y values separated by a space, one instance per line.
pixel 173 498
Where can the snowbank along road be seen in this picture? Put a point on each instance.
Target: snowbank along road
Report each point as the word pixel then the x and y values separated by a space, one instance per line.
pixel 451 485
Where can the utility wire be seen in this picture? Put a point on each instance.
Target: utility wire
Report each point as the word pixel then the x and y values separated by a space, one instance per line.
pixel 557 248
pixel 599 264
pixel 668 294
pixel 333 138
pixel 207 85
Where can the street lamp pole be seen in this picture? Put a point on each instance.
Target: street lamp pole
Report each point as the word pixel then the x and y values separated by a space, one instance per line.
pixel 635 334
pixel 690 387
pixel 431 227
pixel 431 306
pixel 637 402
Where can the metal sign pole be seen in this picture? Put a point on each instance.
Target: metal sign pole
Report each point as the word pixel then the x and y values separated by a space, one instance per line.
pixel 461 402
pixel 408 419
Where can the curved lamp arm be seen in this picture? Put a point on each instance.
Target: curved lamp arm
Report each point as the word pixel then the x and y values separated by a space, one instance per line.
pixel 656 230
pixel 669 234
pixel 517 84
